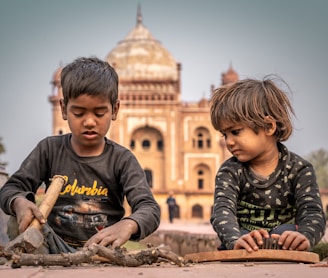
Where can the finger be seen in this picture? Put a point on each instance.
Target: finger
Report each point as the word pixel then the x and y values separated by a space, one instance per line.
pixel 283 237
pixel 288 240
pixel 297 241
pixel 24 221
pixel 248 242
pixel 258 237
pixel 93 240
pixel 264 233
pixel 250 245
pixel 117 243
pixel 38 215
pixel 304 245
pixel 22 226
pixel 241 244
pixel 275 236
pixel 253 245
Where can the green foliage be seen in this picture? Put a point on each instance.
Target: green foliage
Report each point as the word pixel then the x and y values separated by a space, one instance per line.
pixel 133 245
pixel 321 249
pixel 2 150
pixel 319 160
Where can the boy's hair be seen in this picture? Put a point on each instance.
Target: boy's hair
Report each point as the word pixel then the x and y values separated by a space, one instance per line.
pixel 249 102
pixel 90 76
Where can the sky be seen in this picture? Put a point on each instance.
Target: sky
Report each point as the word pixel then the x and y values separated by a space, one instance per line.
pixel 288 38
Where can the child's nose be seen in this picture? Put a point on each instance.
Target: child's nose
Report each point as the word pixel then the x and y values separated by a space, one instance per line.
pixel 89 121
pixel 229 141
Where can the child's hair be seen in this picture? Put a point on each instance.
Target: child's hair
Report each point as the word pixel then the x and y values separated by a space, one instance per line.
pixel 250 101
pixel 90 76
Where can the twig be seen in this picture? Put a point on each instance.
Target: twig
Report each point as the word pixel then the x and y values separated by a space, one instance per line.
pixel 119 256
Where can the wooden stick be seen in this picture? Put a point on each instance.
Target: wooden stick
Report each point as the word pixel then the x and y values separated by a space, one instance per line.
pixel 260 255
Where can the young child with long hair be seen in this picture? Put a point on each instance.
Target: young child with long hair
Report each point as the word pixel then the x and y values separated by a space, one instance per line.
pixel 264 190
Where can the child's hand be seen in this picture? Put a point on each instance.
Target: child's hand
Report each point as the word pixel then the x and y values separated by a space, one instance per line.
pixel 247 241
pixel 115 235
pixel 26 211
pixel 292 240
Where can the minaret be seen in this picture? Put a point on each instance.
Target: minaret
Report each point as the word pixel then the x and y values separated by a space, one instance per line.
pixel 59 126
pixel 139 15
pixel 230 76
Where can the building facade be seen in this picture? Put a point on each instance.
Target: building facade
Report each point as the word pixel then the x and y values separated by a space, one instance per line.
pixel 173 140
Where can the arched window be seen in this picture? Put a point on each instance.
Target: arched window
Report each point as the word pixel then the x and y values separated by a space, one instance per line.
pixel 201 138
pixel 197 211
pixel 146 144
pixel 160 145
pixel 132 144
pixel 200 179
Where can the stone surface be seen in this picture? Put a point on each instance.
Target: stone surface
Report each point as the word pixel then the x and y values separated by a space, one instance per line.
pixel 159 270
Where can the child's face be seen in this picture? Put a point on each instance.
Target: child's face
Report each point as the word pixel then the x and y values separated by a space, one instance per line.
pixel 89 118
pixel 247 145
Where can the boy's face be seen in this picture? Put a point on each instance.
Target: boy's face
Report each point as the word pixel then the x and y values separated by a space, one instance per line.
pixel 89 118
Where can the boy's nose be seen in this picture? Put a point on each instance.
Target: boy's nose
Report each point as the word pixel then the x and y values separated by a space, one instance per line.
pixel 89 122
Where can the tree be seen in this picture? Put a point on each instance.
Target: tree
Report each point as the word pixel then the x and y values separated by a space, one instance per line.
pixel 319 160
pixel 2 150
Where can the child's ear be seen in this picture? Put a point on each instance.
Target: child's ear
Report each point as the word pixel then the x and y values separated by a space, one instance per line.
pixel 271 125
pixel 63 109
pixel 116 107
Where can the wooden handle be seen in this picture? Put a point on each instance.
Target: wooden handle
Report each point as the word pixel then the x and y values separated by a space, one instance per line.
pixel 49 199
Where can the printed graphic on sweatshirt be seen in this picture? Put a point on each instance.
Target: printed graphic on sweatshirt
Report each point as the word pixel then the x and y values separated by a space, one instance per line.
pixel 252 217
pixel 93 190
pixel 86 212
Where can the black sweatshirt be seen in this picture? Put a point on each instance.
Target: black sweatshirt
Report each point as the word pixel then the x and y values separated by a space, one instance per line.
pixel 94 194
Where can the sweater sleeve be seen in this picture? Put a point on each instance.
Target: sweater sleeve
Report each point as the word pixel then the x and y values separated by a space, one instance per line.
pixel 224 216
pixel 145 211
pixel 310 216
pixel 26 180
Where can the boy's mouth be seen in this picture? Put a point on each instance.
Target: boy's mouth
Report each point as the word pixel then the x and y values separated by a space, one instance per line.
pixel 90 134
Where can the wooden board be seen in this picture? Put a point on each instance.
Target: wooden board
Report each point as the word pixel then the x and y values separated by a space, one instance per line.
pixel 260 255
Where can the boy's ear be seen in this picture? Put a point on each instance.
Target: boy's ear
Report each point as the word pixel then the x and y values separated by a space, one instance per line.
pixel 116 107
pixel 63 109
pixel 271 125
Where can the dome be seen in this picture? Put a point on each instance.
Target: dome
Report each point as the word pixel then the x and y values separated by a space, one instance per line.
pixel 141 57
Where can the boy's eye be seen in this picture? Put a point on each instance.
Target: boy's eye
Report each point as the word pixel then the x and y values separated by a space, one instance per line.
pixel 100 112
pixel 78 114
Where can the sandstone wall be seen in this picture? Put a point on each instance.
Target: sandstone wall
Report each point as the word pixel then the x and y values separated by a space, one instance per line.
pixel 183 243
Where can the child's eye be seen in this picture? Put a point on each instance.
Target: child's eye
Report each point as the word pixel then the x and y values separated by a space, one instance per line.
pixel 100 112
pixel 235 132
pixel 78 115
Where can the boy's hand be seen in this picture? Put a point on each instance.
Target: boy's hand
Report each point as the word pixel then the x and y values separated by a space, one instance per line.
pixel 247 241
pixel 26 211
pixel 115 235
pixel 292 240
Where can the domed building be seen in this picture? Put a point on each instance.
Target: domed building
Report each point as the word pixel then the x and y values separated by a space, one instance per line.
pixel 173 140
